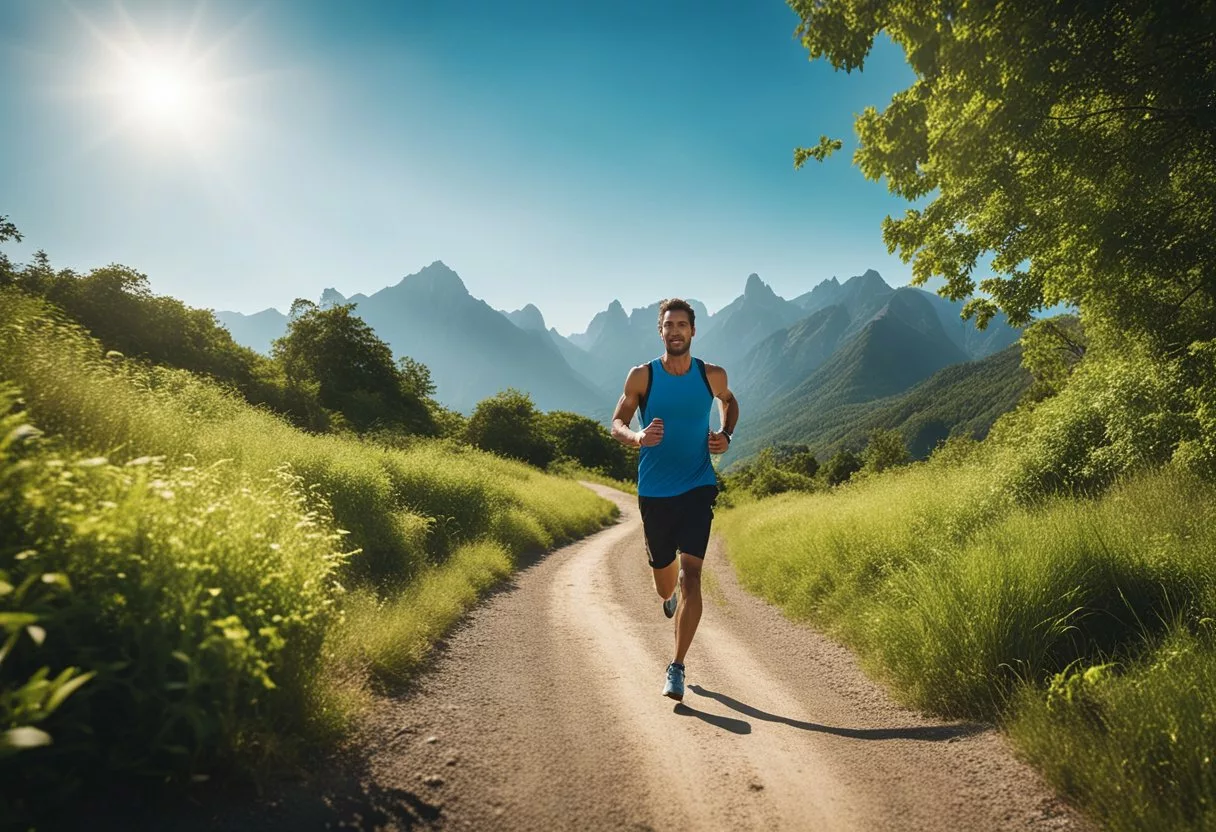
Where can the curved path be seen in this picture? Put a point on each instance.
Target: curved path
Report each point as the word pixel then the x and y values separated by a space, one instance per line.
pixel 543 711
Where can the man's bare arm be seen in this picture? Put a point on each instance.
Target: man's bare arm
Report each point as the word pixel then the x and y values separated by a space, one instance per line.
pixel 728 406
pixel 627 405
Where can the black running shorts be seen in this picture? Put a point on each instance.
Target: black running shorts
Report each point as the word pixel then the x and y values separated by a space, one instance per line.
pixel 681 522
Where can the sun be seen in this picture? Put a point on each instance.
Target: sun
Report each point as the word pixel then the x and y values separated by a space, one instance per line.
pixel 162 84
pixel 162 92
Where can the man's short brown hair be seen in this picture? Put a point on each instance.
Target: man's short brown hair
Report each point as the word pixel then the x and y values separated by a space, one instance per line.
pixel 677 304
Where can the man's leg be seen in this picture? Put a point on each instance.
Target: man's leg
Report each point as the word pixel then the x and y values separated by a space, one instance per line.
pixel 665 579
pixel 688 614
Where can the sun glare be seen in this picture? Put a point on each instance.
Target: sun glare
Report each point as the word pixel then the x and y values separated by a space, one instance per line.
pixel 161 94
pixel 167 85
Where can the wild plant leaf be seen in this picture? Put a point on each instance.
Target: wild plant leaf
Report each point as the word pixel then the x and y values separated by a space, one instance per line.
pixel 66 689
pixel 58 579
pixel 19 739
pixel 16 620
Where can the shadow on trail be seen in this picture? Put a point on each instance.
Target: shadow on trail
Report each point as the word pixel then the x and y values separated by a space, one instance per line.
pixel 335 800
pixel 927 733
pixel 735 726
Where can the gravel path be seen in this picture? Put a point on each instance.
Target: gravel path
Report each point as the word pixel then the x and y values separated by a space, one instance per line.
pixel 543 711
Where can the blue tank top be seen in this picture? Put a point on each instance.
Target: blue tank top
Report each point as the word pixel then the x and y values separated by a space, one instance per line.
pixel 681 461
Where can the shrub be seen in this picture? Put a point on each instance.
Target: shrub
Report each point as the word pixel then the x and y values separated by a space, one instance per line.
pixel 840 467
pixel 508 424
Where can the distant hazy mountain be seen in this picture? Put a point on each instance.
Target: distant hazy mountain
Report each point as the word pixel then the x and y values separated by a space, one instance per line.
pixel 960 399
pixel 865 294
pixel 780 362
pixel 255 331
pixel 331 298
pixel 744 323
pixel 797 365
pixel 527 318
pixel 861 295
pixel 977 344
pixel 530 319
pixel 472 350
pixel 902 344
pixel 615 341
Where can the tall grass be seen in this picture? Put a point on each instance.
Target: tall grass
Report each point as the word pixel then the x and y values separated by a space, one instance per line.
pixel 972 604
pixel 233 584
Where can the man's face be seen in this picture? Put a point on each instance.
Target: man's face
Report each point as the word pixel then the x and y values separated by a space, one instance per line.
pixel 676 331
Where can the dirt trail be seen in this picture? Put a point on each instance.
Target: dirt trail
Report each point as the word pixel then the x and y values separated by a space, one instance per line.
pixel 543 712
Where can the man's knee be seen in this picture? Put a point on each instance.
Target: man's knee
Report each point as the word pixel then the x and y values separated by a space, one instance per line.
pixel 690 580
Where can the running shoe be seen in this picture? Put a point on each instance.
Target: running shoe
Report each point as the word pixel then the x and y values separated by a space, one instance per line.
pixel 669 606
pixel 675 682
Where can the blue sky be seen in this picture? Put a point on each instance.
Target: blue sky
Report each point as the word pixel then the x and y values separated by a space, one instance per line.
pixel 559 153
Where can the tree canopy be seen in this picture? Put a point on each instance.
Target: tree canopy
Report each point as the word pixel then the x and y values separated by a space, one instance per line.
pixel 509 424
pixel 1075 143
pixel 352 368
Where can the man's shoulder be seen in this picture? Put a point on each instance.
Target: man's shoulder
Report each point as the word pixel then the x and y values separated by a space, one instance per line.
pixel 713 368
pixel 636 377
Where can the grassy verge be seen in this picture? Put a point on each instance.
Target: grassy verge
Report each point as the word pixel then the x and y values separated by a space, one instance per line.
pixel 189 585
pixel 1082 625
pixel 572 470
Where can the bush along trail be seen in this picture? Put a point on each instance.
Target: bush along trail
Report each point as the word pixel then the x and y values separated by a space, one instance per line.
pixel 1083 626
pixel 192 588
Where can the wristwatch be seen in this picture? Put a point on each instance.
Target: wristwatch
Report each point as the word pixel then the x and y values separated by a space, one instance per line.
pixel 728 437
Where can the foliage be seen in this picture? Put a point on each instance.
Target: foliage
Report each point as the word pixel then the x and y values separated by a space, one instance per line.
pixel 775 470
pixel 416 377
pixel 1076 143
pixel 840 467
pixel 886 449
pixel 115 303
pixel 1123 409
pixel 194 598
pixel 1131 742
pixel 588 443
pixel 1051 350
pixel 1198 450
pixel 570 469
pixel 509 424
pixel 198 540
pixel 353 369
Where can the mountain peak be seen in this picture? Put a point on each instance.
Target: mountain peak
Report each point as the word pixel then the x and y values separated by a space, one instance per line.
pixel 331 297
pixel 437 277
pixel 755 286
pixel 871 279
pixel 615 307
pixel 529 318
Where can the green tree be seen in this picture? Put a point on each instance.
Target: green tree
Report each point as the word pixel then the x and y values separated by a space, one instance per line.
pixel 1075 143
pixel 588 443
pixel 795 458
pixel 417 377
pixel 509 424
pixel 840 467
pixel 8 231
pixel 1051 349
pixel 886 449
pixel 352 368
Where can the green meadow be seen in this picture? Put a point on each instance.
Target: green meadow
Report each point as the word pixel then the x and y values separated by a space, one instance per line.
pixel 1082 624
pixel 189 585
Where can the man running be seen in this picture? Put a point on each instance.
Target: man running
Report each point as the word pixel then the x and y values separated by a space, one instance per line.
pixel 677 484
